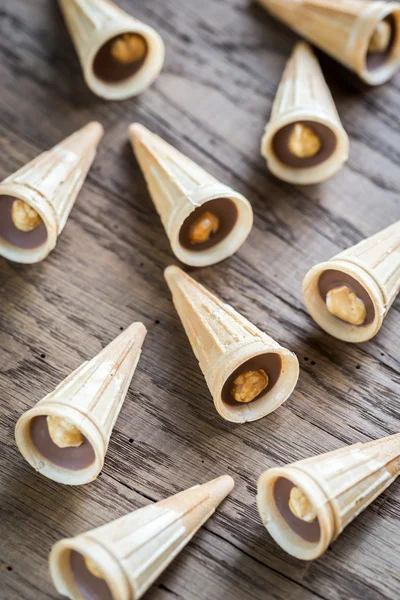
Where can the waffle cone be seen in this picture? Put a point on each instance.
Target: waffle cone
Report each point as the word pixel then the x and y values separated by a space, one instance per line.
pixel 50 184
pixel 339 484
pixel 304 96
pixel 375 264
pixel 91 399
pixel 223 340
pixel 343 29
pixel 92 24
pixel 178 186
pixel 134 550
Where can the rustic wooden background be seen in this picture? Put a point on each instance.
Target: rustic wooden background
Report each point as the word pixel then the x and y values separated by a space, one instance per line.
pixel 212 100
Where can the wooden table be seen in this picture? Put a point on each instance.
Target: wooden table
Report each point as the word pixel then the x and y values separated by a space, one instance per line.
pixel 212 101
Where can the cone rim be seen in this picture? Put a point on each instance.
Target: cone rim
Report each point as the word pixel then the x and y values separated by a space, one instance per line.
pixel 60 569
pixel 139 81
pixel 277 526
pixel 317 309
pixel 47 468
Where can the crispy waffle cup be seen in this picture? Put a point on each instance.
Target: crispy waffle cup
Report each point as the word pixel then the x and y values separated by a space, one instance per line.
pixel 50 184
pixel 303 95
pixel 375 264
pixel 91 25
pixel 222 340
pixel 339 485
pixel 178 186
pixel 343 29
pixel 132 551
pixel 91 399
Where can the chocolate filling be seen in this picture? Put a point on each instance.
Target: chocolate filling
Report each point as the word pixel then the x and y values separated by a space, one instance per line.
pixel 107 68
pixel 21 239
pixel 280 145
pixel 272 365
pixel 74 459
pixel 310 532
pixel 376 60
pixel 90 586
pixel 331 279
pixel 227 214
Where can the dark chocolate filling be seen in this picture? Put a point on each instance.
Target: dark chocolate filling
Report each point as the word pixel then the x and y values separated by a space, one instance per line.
pixel 21 239
pixel 109 69
pixel 310 532
pixel 227 213
pixel 74 459
pixel 280 145
pixel 376 60
pixel 272 365
pixel 90 586
pixel 331 279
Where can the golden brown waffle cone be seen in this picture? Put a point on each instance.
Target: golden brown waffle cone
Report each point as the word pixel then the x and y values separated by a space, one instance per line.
pixel 339 485
pixel 91 24
pixel 134 550
pixel 91 399
pixel 222 340
pixel 50 184
pixel 304 96
pixel 375 264
pixel 178 186
pixel 343 29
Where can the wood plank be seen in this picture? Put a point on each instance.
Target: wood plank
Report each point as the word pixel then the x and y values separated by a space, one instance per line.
pixel 212 100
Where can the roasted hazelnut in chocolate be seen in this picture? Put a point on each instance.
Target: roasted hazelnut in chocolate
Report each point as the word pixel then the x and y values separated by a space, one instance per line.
pixel 88 578
pixel 121 57
pixel 304 144
pixel 20 224
pixel 208 225
pixel 252 379
pixel 346 298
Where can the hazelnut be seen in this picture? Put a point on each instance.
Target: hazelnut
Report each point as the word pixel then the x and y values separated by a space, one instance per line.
pixel 249 385
pixel 93 568
pixel 129 48
pixel 345 305
pixel 63 433
pixel 303 142
pixel 380 39
pixel 205 226
pixel 24 217
pixel 300 505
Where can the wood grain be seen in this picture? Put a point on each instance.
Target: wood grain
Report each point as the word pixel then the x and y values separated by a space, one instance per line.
pixel 212 100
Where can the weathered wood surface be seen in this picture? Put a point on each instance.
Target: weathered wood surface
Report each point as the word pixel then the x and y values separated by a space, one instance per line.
pixel 212 100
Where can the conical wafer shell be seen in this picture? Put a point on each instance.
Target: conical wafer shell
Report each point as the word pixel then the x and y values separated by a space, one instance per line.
pixel 222 341
pixel 50 184
pixel 134 550
pixel 343 29
pixel 339 485
pixel 91 399
pixel 92 24
pixel 375 264
pixel 303 96
pixel 178 186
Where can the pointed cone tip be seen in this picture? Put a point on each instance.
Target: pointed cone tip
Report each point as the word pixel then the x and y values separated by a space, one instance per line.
pixel 95 130
pixel 171 274
pixel 136 330
pixel 137 132
pixel 219 488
